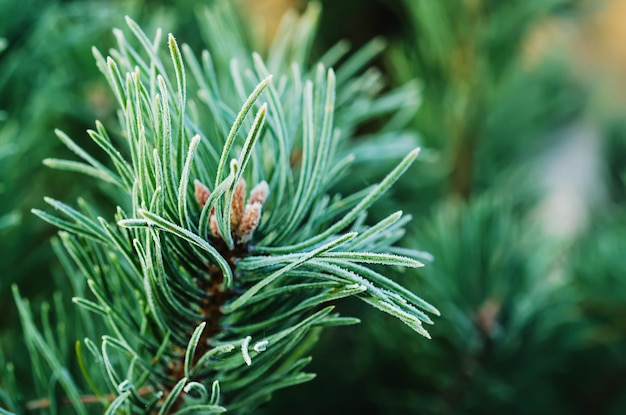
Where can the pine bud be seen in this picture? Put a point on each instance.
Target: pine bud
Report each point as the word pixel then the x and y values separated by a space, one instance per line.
pixel 213 226
pixel 202 192
pixel 486 318
pixel 237 205
pixel 259 193
pixel 249 222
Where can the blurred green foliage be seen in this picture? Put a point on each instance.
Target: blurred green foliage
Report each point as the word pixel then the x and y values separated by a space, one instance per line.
pixel 530 323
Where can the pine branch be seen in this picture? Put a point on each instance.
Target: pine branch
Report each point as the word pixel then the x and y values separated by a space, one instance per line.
pixel 207 292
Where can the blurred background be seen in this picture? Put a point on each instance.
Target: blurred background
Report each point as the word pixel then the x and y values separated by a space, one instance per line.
pixel 519 195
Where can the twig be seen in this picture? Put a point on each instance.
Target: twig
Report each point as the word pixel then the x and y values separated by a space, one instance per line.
pixel 86 399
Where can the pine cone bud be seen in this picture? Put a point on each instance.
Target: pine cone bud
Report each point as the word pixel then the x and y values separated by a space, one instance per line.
pixel 213 226
pixel 259 193
pixel 238 204
pixel 249 222
pixel 202 192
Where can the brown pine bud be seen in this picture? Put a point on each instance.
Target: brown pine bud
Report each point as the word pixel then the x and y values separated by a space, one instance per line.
pixel 213 226
pixel 259 193
pixel 486 318
pixel 249 222
pixel 202 192
pixel 238 204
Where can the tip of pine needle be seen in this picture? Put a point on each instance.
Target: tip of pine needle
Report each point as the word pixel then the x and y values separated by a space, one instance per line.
pixel 415 152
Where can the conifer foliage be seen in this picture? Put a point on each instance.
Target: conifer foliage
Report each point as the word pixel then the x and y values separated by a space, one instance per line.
pixel 205 288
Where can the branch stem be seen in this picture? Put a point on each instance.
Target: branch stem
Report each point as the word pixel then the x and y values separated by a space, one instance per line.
pixel 86 399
